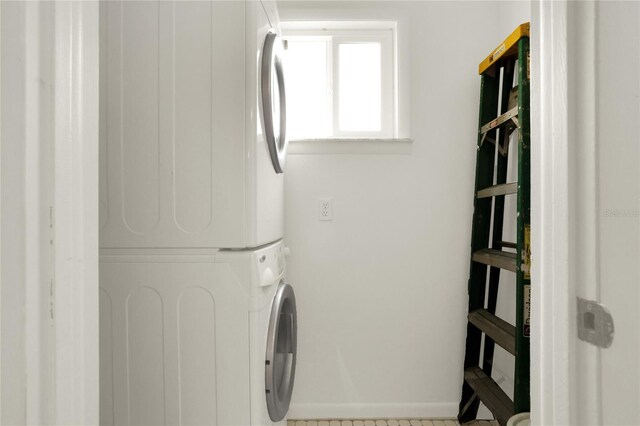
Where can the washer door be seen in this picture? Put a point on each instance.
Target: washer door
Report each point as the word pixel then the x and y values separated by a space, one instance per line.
pixel 274 107
pixel 281 352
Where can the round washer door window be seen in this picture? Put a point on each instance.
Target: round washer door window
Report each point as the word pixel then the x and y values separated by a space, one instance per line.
pixel 274 108
pixel 281 352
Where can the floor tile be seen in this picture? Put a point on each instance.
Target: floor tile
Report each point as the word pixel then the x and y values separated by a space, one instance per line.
pixel 389 422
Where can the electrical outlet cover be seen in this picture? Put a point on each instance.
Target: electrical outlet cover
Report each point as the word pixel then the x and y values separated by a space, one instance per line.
pixel 325 209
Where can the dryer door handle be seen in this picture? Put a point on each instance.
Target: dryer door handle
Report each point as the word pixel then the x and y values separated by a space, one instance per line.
pixel 274 103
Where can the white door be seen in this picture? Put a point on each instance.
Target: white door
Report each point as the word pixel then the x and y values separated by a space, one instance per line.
pixel 587 202
pixel 617 109
pixel 604 128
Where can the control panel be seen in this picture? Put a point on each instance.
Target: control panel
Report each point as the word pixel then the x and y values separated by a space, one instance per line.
pixel 269 264
pixel 259 267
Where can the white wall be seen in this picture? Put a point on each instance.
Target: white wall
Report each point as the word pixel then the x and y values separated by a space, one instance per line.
pixel 511 14
pixel 382 289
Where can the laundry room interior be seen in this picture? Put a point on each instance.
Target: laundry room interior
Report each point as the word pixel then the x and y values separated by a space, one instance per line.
pixel 319 212
pixel 380 328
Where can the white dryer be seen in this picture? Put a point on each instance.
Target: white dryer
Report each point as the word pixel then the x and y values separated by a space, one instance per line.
pixel 193 124
pixel 196 338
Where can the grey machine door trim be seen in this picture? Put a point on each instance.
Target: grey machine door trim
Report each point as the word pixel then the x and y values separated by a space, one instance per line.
pixel 280 363
pixel 274 107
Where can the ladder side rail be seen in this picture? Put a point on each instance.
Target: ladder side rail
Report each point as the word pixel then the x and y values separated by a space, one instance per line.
pixel 498 210
pixel 523 280
pixel 479 239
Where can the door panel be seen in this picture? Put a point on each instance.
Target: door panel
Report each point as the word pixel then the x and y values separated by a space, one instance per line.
pixel 602 385
pixel 618 153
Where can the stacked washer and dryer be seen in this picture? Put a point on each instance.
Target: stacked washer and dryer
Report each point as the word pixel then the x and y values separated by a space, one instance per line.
pixel 197 326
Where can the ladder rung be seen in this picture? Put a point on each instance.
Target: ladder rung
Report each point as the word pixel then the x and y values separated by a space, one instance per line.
pixel 490 394
pixel 502 189
pixel 507 244
pixel 497 258
pixel 500 331
pixel 513 112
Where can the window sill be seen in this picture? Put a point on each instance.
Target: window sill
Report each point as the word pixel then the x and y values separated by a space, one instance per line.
pixel 351 146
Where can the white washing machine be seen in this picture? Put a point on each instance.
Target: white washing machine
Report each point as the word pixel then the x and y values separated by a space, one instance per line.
pixel 192 124
pixel 196 337
pixel 273 330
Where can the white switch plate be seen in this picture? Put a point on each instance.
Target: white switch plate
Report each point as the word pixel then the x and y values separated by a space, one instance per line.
pixel 325 209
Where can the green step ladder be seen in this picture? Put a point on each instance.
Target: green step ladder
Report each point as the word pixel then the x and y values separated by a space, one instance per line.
pixel 489 253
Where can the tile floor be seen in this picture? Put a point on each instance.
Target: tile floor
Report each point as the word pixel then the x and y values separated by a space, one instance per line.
pixel 389 422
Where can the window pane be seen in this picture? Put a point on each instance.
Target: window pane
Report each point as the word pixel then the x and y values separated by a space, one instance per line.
pixel 306 88
pixel 360 91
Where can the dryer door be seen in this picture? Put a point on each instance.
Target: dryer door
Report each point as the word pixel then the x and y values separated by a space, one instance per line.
pixel 280 362
pixel 274 108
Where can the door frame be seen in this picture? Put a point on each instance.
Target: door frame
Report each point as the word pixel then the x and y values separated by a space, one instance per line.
pixel 75 218
pixel 550 336
pixel 564 382
pixel 76 211
pixel 49 261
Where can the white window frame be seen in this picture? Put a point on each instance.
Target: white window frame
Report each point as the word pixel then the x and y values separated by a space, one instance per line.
pixel 347 32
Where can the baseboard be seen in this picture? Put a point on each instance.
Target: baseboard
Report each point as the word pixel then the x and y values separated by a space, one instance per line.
pixel 373 410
